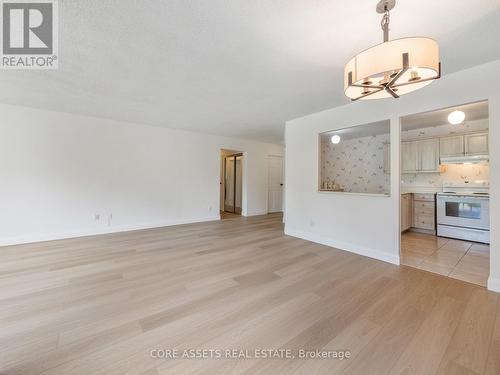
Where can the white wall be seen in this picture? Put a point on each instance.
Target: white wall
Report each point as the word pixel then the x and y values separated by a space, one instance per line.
pixel 58 170
pixel 370 224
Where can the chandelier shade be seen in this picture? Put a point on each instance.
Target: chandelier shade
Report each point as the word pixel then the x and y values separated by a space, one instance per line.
pixel 394 67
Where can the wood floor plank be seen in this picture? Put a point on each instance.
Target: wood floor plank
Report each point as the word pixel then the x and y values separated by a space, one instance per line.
pixel 471 341
pixel 493 361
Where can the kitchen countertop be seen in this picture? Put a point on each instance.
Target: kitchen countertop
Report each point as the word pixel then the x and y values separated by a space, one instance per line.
pixel 420 190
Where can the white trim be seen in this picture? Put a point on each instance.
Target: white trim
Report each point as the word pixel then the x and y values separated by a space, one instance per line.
pixel 255 213
pixel 367 252
pixel 107 230
pixel 494 284
pixel 383 195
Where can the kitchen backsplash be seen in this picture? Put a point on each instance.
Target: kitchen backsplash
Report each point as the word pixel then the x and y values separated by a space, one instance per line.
pixel 357 165
pixel 449 173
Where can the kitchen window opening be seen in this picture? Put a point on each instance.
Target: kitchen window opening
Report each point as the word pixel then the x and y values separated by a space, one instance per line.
pixel 356 159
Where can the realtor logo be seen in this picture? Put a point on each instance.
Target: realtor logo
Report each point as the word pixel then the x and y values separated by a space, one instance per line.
pixel 29 34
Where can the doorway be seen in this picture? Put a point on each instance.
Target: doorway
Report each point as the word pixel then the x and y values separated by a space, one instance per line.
pixel 231 183
pixel 445 219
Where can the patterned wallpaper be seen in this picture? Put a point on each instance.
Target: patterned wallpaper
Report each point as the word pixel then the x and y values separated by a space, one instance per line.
pixel 357 165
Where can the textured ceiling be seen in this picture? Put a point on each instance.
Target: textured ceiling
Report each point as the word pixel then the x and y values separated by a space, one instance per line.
pixel 232 67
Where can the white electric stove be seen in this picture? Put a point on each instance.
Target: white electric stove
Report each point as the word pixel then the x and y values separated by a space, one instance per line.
pixel 463 211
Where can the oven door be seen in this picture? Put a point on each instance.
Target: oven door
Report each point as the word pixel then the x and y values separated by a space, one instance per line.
pixel 462 211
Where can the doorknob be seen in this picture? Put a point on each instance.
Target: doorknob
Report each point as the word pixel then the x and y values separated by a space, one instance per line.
pixel 281 184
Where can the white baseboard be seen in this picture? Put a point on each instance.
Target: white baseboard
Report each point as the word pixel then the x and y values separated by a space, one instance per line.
pixel 494 284
pixel 255 213
pixel 97 231
pixel 360 250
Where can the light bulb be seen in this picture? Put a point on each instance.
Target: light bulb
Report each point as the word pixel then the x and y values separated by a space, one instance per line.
pixel 456 117
pixel 335 139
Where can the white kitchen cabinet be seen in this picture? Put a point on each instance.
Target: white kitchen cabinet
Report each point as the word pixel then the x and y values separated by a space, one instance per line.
pixel 406 211
pixel 420 156
pixel 409 157
pixel 476 144
pixel 452 146
pixel 428 155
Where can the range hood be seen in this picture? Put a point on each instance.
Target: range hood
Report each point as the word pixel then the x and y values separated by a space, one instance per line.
pixel 466 159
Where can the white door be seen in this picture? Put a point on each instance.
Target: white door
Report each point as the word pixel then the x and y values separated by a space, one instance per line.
pixel 275 176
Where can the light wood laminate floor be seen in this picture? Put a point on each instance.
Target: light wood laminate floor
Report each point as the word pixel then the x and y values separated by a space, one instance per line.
pixel 463 260
pixel 99 305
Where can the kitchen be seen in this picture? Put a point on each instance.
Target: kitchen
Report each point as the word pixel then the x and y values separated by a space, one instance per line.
pixel 445 192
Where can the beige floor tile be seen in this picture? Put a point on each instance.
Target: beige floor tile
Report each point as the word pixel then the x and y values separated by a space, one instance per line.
pixel 480 249
pixel 457 245
pixel 421 249
pixel 458 259
pixel 446 257
pixel 474 263
pixel 439 269
pixel 470 277
pixel 412 259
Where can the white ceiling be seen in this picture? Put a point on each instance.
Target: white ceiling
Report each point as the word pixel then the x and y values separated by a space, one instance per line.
pixel 473 111
pixel 232 67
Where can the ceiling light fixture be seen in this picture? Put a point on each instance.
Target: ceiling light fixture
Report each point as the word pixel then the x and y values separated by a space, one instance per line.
pixel 393 68
pixel 335 139
pixel 456 117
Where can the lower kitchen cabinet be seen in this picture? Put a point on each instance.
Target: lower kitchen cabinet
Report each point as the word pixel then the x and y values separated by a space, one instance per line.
pixel 424 212
pixel 418 212
pixel 406 211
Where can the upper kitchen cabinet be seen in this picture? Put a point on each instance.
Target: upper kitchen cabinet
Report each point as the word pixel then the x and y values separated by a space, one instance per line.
pixel 476 144
pixel 420 156
pixel 462 145
pixel 409 157
pixel 452 146
pixel 428 155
